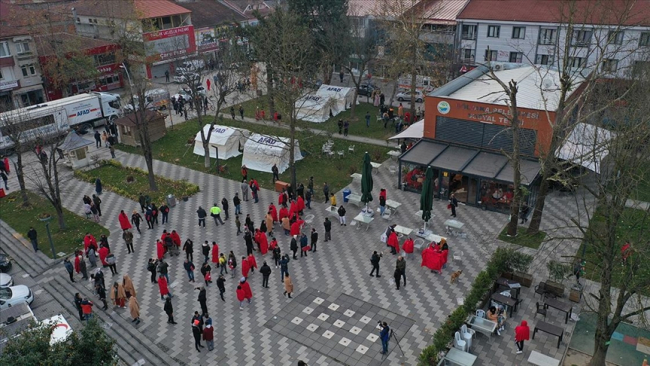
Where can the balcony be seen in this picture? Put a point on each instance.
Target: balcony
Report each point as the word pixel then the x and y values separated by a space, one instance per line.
pixel 25 56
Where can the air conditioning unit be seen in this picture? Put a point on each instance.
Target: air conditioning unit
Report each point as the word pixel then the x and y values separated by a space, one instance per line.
pixel 497 67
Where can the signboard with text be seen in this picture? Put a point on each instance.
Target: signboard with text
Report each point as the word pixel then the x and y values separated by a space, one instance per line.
pixel 206 40
pixel 170 43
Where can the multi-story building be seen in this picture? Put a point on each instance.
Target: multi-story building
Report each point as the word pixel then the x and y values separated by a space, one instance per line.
pixel 164 27
pixel 609 36
pixel 248 8
pixel 20 77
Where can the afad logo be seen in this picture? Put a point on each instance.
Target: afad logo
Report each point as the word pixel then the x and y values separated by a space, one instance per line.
pixel 443 107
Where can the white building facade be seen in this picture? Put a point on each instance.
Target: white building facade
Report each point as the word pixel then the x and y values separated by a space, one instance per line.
pixel 21 83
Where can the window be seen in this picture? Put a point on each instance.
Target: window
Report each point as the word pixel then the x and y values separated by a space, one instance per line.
pixel 577 62
pixel 518 32
pixel 468 32
pixel 4 49
pixel 467 54
pixel 609 65
pixel 544 59
pixel 493 31
pixel 28 70
pixel 22 47
pixel 547 36
pixel 104 59
pixel 644 40
pixel 581 37
pixel 516 56
pixel 491 55
pixel 615 37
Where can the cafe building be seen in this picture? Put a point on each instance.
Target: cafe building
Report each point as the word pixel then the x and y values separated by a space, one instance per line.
pixel 466 136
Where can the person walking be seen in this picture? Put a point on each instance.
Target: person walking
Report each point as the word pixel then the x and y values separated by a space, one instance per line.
pixel 82 266
pixel 163 269
pixel 163 288
pixel 522 333
pixel 240 297
pixel 241 112
pixel 221 284
pixel 328 229
pixel 197 332
pixel 127 235
pixel 276 173
pixel 203 301
pixel 288 285
pixel 215 212
pixel 294 246
pixel 248 293
pixel 224 205
pixel 129 289
pixel 206 271
pixel 326 192
pixel 77 303
pixel 374 259
pixel 205 249
pixel 201 214
pixel 238 225
pixel 266 272
pixel 169 310
pixel 189 268
pixel 92 257
pixel 134 309
pixel 215 254
pixel 223 262
pixel 453 203
pixel 244 190
pixel 237 202
pixel 33 238
pixel 304 245
pixel 101 293
pixel 314 239
pixel 254 189
pixel 151 267
pixel 98 139
pixel 341 213
pixel 277 254
pixel 384 335
pixel 400 271
pixel 208 336
pixel 188 248
pixel 118 295
pixel 284 266
pixel 98 186
pixel 367 119
pixel 164 210
pixel 135 220
pixel 232 263
pixel 68 267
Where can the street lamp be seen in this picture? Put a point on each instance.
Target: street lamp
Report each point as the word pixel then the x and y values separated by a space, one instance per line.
pixel 128 76
pixel 49 234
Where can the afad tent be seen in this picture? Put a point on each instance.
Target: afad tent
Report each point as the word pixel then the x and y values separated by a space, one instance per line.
pixel 227 140
pixel 261 152
pixel 328 98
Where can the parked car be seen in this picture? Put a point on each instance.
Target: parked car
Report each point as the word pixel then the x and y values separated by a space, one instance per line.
pixel 190 66
pixel 184 77
pixel 10 296
pixel 6 280
pixel 5 263
pixel 186 93
pixel 405 95
pixel 366 89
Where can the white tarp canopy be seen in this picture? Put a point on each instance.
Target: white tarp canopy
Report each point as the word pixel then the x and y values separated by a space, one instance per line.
pixel 227 139
pixel 328 98
pixel 586 145
pixel 261 152
pixel 414 131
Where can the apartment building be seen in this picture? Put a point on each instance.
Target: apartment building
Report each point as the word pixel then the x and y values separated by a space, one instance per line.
pixel 611 37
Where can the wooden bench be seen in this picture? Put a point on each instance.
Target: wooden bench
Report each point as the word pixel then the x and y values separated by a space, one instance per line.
pixel 539 359
pixel 550 329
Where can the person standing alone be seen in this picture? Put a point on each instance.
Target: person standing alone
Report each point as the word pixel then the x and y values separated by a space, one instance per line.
pixel 522 333
pixel 33 236
pixel 374 259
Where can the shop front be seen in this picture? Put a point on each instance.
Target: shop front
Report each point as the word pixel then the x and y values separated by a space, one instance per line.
pixel 476 177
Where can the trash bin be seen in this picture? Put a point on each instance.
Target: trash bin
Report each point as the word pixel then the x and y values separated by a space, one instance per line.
pixel 171 200
pixel 346 194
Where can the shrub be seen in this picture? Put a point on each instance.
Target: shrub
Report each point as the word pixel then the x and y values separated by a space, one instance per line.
pixel 558 271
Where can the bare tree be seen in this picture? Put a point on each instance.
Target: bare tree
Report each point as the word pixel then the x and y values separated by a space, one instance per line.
pixel 13 124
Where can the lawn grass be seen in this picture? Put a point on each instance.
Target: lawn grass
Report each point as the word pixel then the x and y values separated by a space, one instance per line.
pixel 523 239
pixel 22 218
pixel 113 176
pixel 633 226
pixel 357 124
pixel 642 192
pixel 336 172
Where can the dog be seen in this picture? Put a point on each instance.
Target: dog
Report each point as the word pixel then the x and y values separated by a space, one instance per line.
pixel 455 275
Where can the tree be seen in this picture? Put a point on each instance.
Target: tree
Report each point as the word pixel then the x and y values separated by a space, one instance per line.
pixel 361 49
pixel 285 45
pixel 87 346
pixel 327 20
pixel 48 181
pixel 12 126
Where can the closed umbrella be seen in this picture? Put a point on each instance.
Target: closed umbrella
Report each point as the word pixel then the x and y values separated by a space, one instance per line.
pixel 426 199
pixel 366 181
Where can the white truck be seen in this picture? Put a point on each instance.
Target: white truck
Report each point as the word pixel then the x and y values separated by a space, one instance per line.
pixel 79 112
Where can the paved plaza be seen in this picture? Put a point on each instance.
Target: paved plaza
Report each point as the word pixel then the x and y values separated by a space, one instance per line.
pixel 275 330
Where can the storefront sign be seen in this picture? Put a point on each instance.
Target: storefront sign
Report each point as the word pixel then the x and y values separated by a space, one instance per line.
pixel 206 40
pixel 443 107
pixel 486 113
pixel 10 84
pixel 107 69
pixel 170 43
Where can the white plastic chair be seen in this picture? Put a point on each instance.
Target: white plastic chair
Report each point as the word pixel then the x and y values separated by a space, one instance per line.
pixel 340 152
pixel 418 244
pixel 467 335
pixel 480 313
pixel 351 148
pixel 458 257
pixel 459 343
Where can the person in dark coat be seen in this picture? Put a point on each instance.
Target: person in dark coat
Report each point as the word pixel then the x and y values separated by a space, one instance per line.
pixel 237 202
pixel 164 210
pixel 33 237
pixel 201 214
pixel 98 139
pixel 221 284
pixel 169 310
pixel 284 266
pixel 266 272
pixel 98 186
pixel 203 300
pixel 135 220
pixel 294 246
pixel 328 229
pixel 101 293
pixel 248 238
pixel 188 248
pixel 68 267
pixel 314 239
pixel 197 332
pixel 374 259
pixel 224 207
pixel 77 304
pixel 453 203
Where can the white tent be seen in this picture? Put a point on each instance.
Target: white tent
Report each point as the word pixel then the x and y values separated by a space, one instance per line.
pixel 226 139
pixel 316 107
pixel 261 152
pixel 586 145
pixel 414 131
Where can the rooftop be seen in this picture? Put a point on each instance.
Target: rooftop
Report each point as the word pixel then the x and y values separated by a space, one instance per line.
pixel 124 9
pixel 208 13
pixel 611 12
pixel 45 44
pixel 441 11
pixel 539 87
pixel 247 7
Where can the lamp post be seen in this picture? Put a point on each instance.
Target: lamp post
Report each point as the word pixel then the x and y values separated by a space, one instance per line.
pixel 49 234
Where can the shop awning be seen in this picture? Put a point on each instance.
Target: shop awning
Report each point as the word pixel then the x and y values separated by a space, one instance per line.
pixel 474 162
pixel 423 152
pixel 414 131
pixel 586 145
